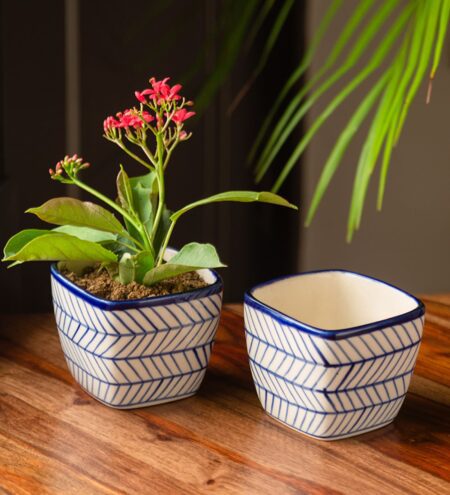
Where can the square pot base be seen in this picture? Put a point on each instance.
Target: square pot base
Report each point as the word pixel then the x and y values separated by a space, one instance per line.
pixel 144 404
pixel 337 437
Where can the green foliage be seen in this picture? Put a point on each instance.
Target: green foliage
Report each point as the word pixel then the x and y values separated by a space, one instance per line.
pixel 406 39
pixel 236 196
pixel 193 256
pixel 57 247
pixel 71 211
pixel 419 27
pixel 88 234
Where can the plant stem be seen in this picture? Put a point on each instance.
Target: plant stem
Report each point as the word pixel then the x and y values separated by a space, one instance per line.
pixel 136 223
pixel 160 179
pixel 135 157
pixel 165 243
pixel 132 239
pixel 128 246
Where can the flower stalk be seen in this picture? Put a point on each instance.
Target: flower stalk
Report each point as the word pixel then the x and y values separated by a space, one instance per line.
pixel 138 245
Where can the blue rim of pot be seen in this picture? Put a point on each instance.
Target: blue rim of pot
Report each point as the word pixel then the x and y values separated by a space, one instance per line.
pixel 214 288
pixel 337 334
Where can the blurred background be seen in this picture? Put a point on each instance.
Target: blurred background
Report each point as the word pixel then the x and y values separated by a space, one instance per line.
pixel 66 65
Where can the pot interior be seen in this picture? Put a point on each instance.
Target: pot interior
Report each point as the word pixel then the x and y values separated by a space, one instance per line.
pixel 335 300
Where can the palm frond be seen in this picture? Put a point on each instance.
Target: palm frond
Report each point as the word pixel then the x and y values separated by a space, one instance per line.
pixel 374 141
pixel 358 49
pixel 378 57
pixel 267 50
pixel 296 75
pixel 442 30
pixel 349 29
pixel 257 24
pixel 228 54
pixel 342 143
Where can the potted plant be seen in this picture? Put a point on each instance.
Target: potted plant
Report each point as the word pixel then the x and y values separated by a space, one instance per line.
pixel 136 319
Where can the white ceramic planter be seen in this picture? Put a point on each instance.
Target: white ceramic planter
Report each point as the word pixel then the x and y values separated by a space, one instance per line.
pixel 141 352
pixel 332 352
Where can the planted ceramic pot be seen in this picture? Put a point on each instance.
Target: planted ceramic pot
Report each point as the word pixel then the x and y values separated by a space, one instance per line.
pixel 332 352
pixel 141 352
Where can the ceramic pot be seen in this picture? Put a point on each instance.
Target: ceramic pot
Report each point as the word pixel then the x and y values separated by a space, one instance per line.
pixel 332 352
pixel 141 352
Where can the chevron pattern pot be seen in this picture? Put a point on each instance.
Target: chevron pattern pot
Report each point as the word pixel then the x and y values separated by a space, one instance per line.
pixel 332 352
pixel 137 353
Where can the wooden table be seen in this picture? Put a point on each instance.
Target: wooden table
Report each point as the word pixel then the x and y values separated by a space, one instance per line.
pixel 55 439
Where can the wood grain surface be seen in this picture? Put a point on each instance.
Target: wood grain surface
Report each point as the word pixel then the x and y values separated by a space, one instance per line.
pixel 56 439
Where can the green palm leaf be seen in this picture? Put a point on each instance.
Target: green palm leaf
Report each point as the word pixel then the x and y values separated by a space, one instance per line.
pixel 360 46
pixel 374 141
pixel 442 30
pixel 381 52
pixel 267 50
pixel 342 143
pixel 347 32
pixel 296 75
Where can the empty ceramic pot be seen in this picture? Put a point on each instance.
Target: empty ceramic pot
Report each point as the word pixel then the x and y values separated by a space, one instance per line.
pixel 138 352
pixel 332 352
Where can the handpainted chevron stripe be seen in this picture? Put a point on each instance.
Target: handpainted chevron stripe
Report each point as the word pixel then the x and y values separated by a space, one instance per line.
pixel 136 320
pixel 330 388
pixel 137 393
pixel 139 368
pixel 327 425
pixel 331 377
pixel 137 356
pixel 323 400
pixel 120 346
pixel 332 352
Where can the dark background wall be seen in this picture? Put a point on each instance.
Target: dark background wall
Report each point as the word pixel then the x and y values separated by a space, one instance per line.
pixel 67 65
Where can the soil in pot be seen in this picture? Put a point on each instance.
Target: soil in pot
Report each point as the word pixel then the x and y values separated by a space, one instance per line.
pixel 100 284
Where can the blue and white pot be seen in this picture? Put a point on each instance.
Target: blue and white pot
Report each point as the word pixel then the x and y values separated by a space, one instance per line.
pixel 141 352
pixel 332 352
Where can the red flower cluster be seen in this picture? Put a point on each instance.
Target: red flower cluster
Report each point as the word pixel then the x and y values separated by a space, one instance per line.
pixel 127 118
pixel 181 115
pixel 160 92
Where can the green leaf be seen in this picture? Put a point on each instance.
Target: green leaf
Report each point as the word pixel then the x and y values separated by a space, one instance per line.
pixel 424 57
pixel 228 54
pixel 442 31
pixel 142 189
pixel 236 196
pixel 134 267
pixel 390 101
pixel 86 233
pixel 71 211
pixel 144 262
pixel 124 192
pixel 393 117
pixel 59 247
pixel 299 71
pixel 126 269
pixel 290 120
pixel 380 54
pixel 19 240
pixel 267 50
pixel 192 256
pixel 341 145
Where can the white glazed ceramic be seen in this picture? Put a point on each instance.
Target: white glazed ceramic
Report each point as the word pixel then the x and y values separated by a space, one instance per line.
pixel 332 352
pixel 140 352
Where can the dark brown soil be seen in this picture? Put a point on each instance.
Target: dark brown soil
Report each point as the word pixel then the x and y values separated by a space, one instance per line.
pixel 100 284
